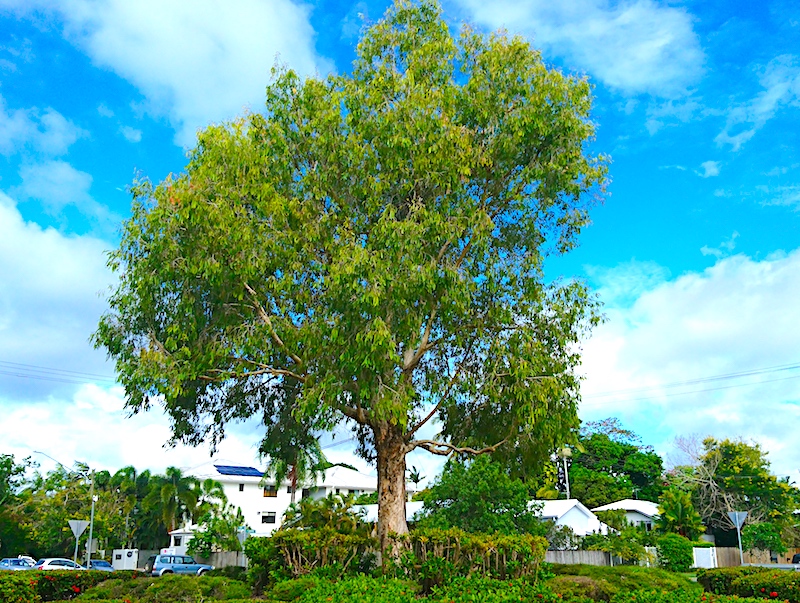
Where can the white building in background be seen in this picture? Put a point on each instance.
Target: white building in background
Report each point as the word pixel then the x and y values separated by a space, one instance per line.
pixel 264 502
pixel 637 512
pixel 573 514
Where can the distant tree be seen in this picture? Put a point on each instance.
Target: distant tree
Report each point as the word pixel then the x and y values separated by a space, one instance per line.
pixel 217 530
pixel 765 536
pixel 611 464
pixel 377 240
pixel 678 515
pixel 733 475
pixel 13 534
pixel 479 496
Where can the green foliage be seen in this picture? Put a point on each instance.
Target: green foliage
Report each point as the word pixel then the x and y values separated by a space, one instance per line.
pixel 765 536
pixel 17 587
pixel 289 590
pixel 719 580
pixel 610 464
pixel 52 585
pixel 675 553
pixel 235 572
pixel 627 543
pixel 371 248
pixel 627 578
pixel 772 584
pixel 677 514
pixel 582 588
pixel 169 589
pixel 362 589
pixel 217 531
pixel 476 589
pixel 334 512
pixel 479 496
pixel 434 556
pixel 679 596
pixel 616 518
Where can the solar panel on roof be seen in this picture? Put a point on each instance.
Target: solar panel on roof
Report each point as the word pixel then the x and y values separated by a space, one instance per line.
pixel 241 471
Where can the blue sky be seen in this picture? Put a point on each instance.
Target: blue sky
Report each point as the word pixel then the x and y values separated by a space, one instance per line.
pixel 695 252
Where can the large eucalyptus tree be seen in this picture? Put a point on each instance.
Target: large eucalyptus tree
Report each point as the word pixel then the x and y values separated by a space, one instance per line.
pixel 369 250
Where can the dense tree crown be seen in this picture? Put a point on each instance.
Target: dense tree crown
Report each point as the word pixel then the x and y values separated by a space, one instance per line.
pixel 370 249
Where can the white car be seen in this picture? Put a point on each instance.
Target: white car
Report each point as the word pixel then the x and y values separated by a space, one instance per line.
pixel 57 563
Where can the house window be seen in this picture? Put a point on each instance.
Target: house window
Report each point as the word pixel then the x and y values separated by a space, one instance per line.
pixel 271 491
pixel 177 540
pixel 268 517
pixel 241 487
pixel 648 526
pixel 289 489
pixel 337 490
pixel 306 492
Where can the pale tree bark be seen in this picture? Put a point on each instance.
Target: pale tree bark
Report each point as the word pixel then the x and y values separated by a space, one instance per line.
pixel 391 449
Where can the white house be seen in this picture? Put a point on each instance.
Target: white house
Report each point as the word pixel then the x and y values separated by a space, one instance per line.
pixel 573 514
pixel 263 503
pixel 637 512
pixel 371 511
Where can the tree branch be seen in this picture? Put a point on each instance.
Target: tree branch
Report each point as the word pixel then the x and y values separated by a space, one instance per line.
pixel 267 321
pixel 445 449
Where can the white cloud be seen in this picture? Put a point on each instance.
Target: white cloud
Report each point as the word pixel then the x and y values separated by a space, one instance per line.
pixel 49 304
pixel 639 46
pixel 710 168
pixel 46 131
pixel 724 249
pixel 737 316
pixel 131 134
pixel 195 62
pixel 780 80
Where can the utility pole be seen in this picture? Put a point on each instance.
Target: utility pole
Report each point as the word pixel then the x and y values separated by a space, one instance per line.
pixel 91 524
pixel 565 453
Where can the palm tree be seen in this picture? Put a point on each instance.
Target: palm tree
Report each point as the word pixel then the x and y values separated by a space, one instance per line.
pixel 175 495
pixel 678 515
pixel 210 496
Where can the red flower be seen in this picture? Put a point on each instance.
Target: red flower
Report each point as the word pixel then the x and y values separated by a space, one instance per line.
pixel 773 594
pixel 75 589
pixel 763 590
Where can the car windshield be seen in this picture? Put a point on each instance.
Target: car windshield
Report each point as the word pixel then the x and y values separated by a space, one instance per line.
pixel 101 563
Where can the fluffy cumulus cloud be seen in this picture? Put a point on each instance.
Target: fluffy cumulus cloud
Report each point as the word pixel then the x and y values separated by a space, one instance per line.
pixel 45 131
pixel 780 83
pixel 195 62
pixel 639 46
pixel 708 353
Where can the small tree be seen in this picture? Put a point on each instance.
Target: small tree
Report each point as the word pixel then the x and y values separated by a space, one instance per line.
pixel 765 536
pixel 675 553
pixel 677 515
pixel 218 530
pixel 370 251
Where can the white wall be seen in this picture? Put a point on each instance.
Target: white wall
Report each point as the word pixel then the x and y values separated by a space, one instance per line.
pixel 254 504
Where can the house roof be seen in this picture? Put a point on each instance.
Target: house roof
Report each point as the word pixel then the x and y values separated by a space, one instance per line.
pixel 335 477
pixel 645 507
pixel 342 477
pixel 554 509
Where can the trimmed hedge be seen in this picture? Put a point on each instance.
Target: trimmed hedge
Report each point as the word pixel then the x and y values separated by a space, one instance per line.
pixel 476 589
pixel 170 589
pixel 610 581
pixel 678 596
pixel 719 580
pixel 675 553
pixel 770 584
pixel 362 589
pixel 51 585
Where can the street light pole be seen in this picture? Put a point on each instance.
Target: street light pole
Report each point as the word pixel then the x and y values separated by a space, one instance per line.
pixel 91 525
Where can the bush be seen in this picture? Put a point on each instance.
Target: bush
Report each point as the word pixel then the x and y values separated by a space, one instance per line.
pixel 627 578
pixel 289 590
pixel 52 585
pixel 17 587
pixel 487 590
pixel 675 553
pixel 719 580
pixel 236 572
pixel 170 589
pixel 582 588
pixel 770 584
pixel 362 589
pixel 678 596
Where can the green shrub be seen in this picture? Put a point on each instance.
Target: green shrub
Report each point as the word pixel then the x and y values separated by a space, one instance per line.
pixel 235 572
pixel 477 589
pixel 719 580
pixel 289 590
pixel 770 584
pixel 677 596
pixel 582 588
pixel 169 589
pixel 17 587
pixel 362 589
pixel 51 585
pixel 628 578
pixel 675 553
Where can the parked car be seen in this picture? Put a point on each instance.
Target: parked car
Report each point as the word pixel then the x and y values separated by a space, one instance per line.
pixel 158 565
pixel 100 565
pixel 57 563
pixel 31 561
pixel 14 564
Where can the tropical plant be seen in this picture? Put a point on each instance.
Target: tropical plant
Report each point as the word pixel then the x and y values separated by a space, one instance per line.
pixel 676 514
pixel 765 536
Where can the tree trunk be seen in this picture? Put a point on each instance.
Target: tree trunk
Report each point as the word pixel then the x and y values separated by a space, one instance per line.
pixel 391 449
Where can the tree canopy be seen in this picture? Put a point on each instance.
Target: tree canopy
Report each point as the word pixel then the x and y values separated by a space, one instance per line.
pixel 369 249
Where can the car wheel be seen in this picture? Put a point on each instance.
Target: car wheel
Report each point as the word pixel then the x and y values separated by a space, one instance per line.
pixel 201 572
